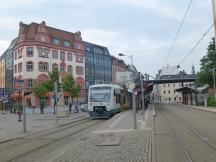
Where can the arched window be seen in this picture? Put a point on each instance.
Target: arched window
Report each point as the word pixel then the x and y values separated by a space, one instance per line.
pixel 29 66
pixel 70 69
pixel 54 66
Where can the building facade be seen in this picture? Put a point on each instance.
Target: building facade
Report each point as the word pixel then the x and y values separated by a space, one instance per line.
pixel 9 68
pixel 98 65
pixel 41 48
pixel 118 66
pixel 2 71
pixel 165 93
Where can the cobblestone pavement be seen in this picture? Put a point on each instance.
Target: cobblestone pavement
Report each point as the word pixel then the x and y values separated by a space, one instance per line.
pixel 132 145
pixel 10 127
pixel 184 134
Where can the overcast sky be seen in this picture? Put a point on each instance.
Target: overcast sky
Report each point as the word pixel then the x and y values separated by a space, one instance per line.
pixel 143 28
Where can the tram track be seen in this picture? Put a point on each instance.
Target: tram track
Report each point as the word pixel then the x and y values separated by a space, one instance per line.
pixel 198 138
pixel 44 140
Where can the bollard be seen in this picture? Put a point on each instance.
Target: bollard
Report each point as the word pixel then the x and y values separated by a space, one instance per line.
pixel 24 119
pixel 19 117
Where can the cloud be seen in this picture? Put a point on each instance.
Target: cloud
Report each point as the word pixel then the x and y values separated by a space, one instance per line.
pixel 3 46
pixel 100 36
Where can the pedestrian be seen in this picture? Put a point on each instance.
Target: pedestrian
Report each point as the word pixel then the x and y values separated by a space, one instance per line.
pixel 70 107
pixel 146 103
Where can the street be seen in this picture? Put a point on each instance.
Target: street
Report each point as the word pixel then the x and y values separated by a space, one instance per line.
pixel 184 134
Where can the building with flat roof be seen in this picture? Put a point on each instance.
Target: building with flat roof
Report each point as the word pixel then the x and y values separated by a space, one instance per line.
pixel 98 64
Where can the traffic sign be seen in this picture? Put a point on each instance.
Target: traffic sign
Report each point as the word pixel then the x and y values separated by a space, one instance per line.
pixel 19 81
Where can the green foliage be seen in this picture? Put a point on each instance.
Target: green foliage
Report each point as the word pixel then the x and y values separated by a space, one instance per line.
pixel 208 62
pixel 211 101
pixel 39 90
pixel 69 86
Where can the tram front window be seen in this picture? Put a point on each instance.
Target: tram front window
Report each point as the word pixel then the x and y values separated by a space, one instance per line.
pixel 100 94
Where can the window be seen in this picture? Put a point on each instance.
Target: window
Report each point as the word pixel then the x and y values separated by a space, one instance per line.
pixel 15 55
pixel 98 50
pixel 79 58
pixel 164 85
pixel 174 98
pixel 29 51
pixel 29 66
pixel 173 85
pixel 67 43
pixel 54 66
pixel 43 39
pixel 62 55
pixel 164 92
pixel 69 56
pixel 169 92
pixel 79 70
pixel 20 67
pixel 169 99
pixel 30 83
pixel 174 92
pixel 15 69
pixel 55 54
pixel 43 66
pixel 62 68
pixel 70 70
pixel 77 46
pixel 87 49
pixel 179 98
pixel 56 41
pixel 43 52
pixel 20 53
pixel 118 96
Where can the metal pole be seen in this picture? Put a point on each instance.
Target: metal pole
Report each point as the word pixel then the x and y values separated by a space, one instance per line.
pixel 24 118
pixel 214 15
pixel 214 83
pixel 133 98
pixel 142 93
pixel 56 98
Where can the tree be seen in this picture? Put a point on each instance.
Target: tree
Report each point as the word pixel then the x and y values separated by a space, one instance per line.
pixel 69 85
pixel 54 76
pixel 208 62
pixel 40 91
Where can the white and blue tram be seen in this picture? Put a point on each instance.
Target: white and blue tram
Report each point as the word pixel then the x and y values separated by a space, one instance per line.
pixel 104 100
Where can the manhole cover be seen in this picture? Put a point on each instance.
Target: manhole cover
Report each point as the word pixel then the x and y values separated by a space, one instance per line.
pixel 110 142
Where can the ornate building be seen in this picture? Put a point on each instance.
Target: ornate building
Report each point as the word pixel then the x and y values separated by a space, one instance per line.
pixel 39 49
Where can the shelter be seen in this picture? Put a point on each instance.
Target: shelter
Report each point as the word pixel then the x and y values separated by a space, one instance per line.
pixel 189 95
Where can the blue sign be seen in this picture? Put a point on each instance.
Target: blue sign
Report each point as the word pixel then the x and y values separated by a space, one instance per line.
pixel 19 81
pixel 1 91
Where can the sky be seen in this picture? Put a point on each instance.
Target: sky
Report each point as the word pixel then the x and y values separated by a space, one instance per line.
pixel 143 28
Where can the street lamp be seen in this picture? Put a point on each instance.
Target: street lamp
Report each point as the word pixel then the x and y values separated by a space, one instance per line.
pixel 133 92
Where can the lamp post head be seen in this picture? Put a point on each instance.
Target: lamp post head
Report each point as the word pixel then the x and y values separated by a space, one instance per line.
pixel 121 54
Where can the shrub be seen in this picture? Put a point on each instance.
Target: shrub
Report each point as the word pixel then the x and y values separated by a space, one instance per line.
pixel 211 101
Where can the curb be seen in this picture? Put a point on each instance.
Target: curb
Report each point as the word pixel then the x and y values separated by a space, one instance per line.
pixel 199 109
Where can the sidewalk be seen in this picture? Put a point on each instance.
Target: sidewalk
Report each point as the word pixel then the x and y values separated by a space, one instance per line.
pixel 203 108
pixel 115 140
pixel 10 128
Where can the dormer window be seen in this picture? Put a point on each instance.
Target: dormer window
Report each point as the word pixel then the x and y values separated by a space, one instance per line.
pixel 56 41
pixel 67 43
pixel 43 39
